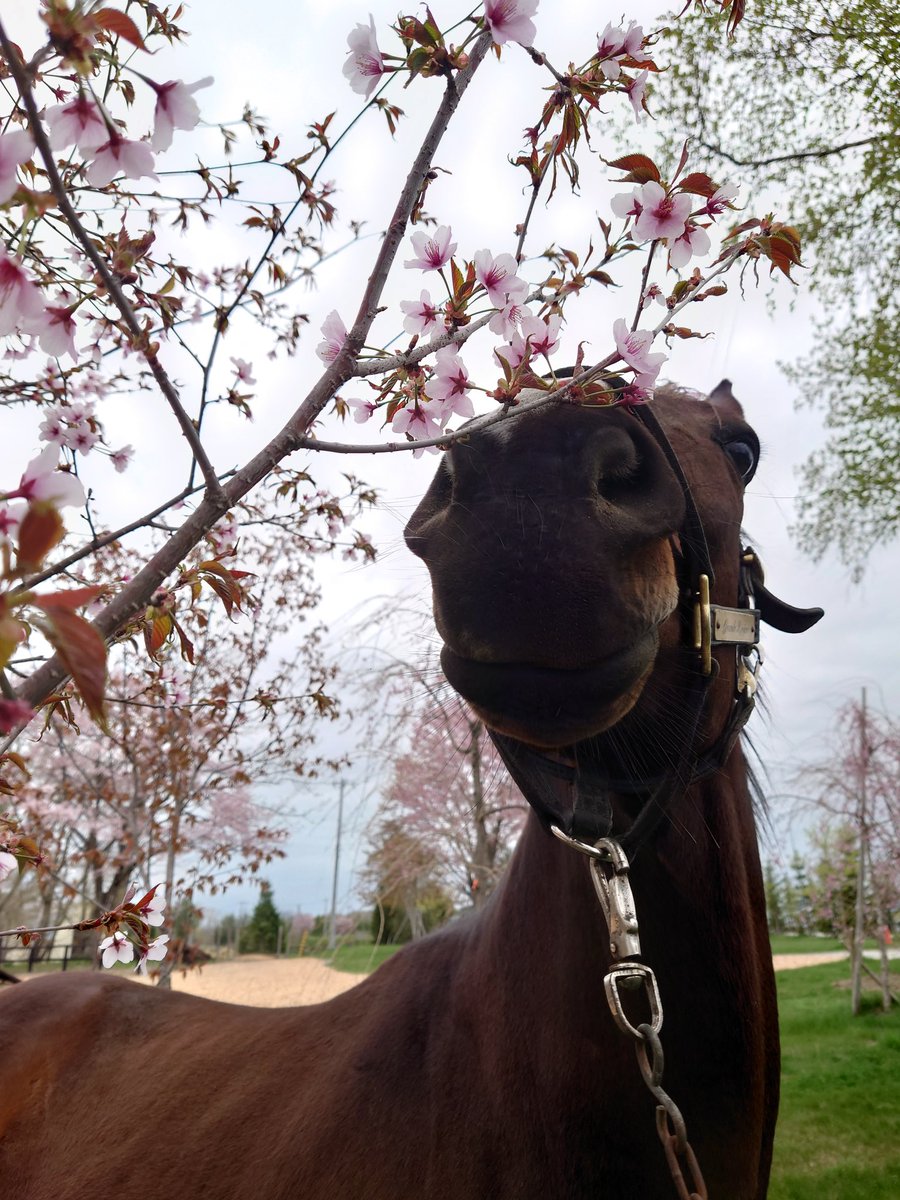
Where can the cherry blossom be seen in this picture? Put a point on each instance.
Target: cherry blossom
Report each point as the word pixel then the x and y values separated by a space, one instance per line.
pixel 224 535
pixel 419 420
pixel 513 352
pixel 634 346
pixel 152 911
pixel 8 862
pixel 335 332
pixel 721 199
pixel 635 89
pixel 616 43
pixel 506 319
pixel 653 292
pixel 663 214
pixel 156 951
pixel 450 384
pixel 80 121
pixel 41 481
pixel 121 458
pixel 694 241
pixel 81 437
pixel 53 428
pixel 498 277
pixel 421 314
pixel 116 948
pixel 364 65
pixel 244 371
pixel 510 21
pixel 14 713
pixel 432 251
pixel 363 410
pixel 119 156
pixel 55 329
pixel 542 335
pixel 20 298
pixel 176 108
pixel 15 148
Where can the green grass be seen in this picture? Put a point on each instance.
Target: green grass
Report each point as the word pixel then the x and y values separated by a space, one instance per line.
pixel 838 1134
pixel 783 943
pixel 358 957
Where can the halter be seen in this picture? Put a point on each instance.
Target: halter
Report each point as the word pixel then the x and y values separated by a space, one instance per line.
pixel 570 791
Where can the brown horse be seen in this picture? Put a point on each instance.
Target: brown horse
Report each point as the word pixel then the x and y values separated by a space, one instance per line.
pixel 483 1062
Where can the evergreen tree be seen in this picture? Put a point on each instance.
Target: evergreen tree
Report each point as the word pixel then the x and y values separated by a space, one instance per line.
pixel 260 935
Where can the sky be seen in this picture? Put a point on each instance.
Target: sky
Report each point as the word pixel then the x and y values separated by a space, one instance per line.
pixel 285 60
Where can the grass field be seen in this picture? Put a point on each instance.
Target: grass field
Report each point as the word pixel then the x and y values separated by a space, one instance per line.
pixel 839 1127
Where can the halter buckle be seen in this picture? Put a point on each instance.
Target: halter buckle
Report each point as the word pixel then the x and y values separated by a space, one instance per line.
pixel 719 625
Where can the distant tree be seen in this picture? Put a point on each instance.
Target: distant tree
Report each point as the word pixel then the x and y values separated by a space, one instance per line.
pixel 401 881
pixel 260 934
pixel 818 123
pixel 774 885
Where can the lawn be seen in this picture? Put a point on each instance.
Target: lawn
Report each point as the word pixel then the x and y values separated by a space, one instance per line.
pixel 358 957
pixel 838 1132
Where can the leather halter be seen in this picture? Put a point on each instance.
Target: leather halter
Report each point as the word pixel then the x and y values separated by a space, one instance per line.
pixel 569 789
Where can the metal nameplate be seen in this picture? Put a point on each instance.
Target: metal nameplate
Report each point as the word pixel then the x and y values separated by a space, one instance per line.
pixel 734 626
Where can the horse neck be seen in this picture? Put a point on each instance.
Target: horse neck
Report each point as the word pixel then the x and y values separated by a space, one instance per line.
pixel 698 895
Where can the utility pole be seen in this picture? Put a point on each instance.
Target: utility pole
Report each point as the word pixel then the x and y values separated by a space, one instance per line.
pixel 332 925
pixel 862 819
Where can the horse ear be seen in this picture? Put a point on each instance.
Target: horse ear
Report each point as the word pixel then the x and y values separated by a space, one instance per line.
pixel 723 398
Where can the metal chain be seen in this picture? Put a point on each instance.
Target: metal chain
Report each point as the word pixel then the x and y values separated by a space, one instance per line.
pixel 609 873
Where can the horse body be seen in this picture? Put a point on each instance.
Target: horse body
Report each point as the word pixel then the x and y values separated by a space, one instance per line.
pixel 483 1061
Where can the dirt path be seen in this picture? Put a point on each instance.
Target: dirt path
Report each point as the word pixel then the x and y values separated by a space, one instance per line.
pixel 273 983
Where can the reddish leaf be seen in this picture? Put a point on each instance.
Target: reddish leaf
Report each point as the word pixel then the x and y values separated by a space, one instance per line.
pixel 41 529
pixel 118 23
pixel 71 599
pixel 156 630
pixel 699 184
pixel 639 168
pixel 83 652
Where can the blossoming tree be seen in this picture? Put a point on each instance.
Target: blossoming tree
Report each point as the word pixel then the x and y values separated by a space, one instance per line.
pixel 102 304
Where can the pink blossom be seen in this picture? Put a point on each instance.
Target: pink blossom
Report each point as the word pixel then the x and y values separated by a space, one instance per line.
pixel 498 277
pixel 363 410
pixel 14 713
pixel 15 148
pixel 335 335
pixel 432 251
pixel 121 458
pixel 119 156
pixel 152 911
pixel 20 299
pixel 694 241
pixel 653 292
pixel 156 951
pixel 244 371
pixel 721 199
pixel 508 317
pixel 8 862
pixel 116 948
pixel 80 121
pixel 510 21
pixel 176 108
pixel 421 314
pixel 81 437
pixel 224 535
pixel 633 348
pixel 364 65
pixel 635 89
pixel 514 352
pixel 41 481
pixel 53 428
pixel 450 384
pixel 419 420
pixel 55 330
pixel 542 335
pixel 616 43
pixel 628 205
pixel 663 214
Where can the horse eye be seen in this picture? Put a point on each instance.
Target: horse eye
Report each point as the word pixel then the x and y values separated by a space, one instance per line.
pixel 744 457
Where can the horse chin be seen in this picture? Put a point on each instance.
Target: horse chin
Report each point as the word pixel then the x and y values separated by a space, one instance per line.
pixel 551 708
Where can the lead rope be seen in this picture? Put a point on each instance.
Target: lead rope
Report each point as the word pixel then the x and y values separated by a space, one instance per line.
pixel 609 874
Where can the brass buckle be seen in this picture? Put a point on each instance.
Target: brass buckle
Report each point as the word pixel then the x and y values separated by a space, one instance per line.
pixel 719 625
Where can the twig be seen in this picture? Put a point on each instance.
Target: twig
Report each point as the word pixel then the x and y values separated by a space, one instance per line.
pixel 796 156
pixel 110 282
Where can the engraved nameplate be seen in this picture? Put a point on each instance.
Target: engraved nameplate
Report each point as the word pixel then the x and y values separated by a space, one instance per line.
pixel 735 626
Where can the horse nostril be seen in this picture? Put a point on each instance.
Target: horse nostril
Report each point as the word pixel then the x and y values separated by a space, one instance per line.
pixel 622 476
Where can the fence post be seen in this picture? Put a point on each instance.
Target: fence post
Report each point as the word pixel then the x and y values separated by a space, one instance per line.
pixel 65 957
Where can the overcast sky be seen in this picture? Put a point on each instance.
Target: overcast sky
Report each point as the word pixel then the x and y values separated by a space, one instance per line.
pixel 285 60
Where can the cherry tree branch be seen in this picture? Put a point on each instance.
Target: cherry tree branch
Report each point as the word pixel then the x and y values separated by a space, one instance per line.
pixel 110 282
pixel 796 156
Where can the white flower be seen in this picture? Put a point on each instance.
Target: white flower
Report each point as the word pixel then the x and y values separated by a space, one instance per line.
pixel 79 121
pixel 119 156
pixel 335 335
pixel 633 348
pixel 156 951
pixel 421 314
pixel 15 148
pixel 116 948
pixel 176 108
pixel 121 458
pixel 8 864
pixel 498 277
pixel 244 371
pixel 20 299
pixel 364 65
pixel 41 481
pixel 694 241
pixel 510 20
pixel 431 251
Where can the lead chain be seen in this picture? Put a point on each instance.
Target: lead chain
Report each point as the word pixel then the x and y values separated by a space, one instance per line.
pixel 609 873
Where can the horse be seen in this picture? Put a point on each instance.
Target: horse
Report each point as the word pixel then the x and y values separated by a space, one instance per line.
pixel 495 1059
